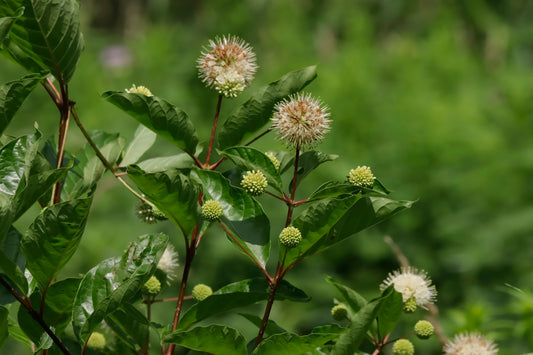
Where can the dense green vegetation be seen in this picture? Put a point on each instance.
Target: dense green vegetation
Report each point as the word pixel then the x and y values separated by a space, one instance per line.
pixel 436 96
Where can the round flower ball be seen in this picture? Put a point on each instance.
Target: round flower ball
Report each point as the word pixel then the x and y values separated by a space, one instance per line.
pixel 403 347
pixel 362 177
pixel 254 182
pixel 212 210
pixel 152 287
pixel 415 287
pixel 290 237
pixel 200 292
pixel 424 329
pixel 96 341
pixel 339 312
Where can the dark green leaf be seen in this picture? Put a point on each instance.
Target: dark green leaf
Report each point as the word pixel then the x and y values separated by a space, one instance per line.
pixel 353 299
pixel 236 295
pixel 53 238
pixel 12 263
pixel 243 215
pixel 332 189
pixel 390 311
pixel 256 111
pixel 141 142
pixel 47 35
pixel 246 158
pixel 179 161
pixel 213 339
pixel 7 21
pixel 114 282
pixel 4 332
pixel 271 327
pixel 130 325
pixel 13 94
pixel 57 309
pixel 159 115
pixel 309 161
pixel 290 344
pixel 172 192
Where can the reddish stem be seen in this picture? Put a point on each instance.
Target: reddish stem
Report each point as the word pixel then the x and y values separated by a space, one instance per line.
pixel 210 148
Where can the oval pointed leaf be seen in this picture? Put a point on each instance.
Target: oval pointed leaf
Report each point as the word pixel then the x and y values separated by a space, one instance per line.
pixel 142 140
pixel 53 238
pixel 256 111
pixel 353 299
pixel 243 215
pixel 178 161
pixel 390 311
pixel 47 34
pixel 13 94
pixel 12 263
pixel 214 339
pixel 159 115
pixel 246 158
pixel 290 344
pixel 114 282
pixel 172 192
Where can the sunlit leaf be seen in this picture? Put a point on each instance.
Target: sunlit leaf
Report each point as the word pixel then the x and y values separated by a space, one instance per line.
pixel 142 140
pixel 214 339
pixel 256 111
pixel 178 161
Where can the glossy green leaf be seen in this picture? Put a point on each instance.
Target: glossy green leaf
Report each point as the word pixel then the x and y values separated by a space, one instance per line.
pixel 271 327
pixel 159 115
pixel 246 158
pixel 142 140
pixel 214 339
pixel 353 299
pixel 390 311
pixel 114 282
pixel 236 295
pixel 243 215
pixel 290 344
pixel 309 161
pixel 53 238
pixel 46 35
pixel 130 325
pixel 173 193
pixel 12 263
pixel 57 309
pixel 4 332
pixel 7 21
pixel 178 161
pixel 256 111
pixel 13 94
pixel 332 189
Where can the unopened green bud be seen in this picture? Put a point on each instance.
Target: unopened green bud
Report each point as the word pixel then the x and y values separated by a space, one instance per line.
pixel 148 213
pixel 254 182
pixel 200 292
pixel 273 159
pixel 339 312
pixel 403 347
pixel 362 177
pixel 152 287
pixel 212 210
pixel 96 341
pixel 410 305
pixel 290 237
pixel 424 329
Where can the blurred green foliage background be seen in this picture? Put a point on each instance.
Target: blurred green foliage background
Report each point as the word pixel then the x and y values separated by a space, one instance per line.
pixel 436 96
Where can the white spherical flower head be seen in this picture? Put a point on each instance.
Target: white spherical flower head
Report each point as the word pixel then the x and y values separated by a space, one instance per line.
pixel 139 90
pixel 301 121
pixel 470 343
pixel 169 263
pixel 227 65
pixel 414 285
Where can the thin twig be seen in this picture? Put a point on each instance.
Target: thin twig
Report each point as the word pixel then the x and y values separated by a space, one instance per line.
pixel 217 113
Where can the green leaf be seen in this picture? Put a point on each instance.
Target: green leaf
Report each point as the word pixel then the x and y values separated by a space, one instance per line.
pixel 243 215
pixel 213 339
pixel 290 344
pixel 47 35
pixel 329 221
pixel 53 238
pixel 12 263
pixel 4 332
pixel 390 312
pixel 256 111
pixel 309 161
pixel 353 299
pixel 178 161
pixel 236 295
pixel 13 94
pixel 57 309
pixel 172 192
pixel 130 325
pixel 7 21
pixel 115 282
pixel 142 140
pixel 159 115
pixel 246 158
pixel 271 327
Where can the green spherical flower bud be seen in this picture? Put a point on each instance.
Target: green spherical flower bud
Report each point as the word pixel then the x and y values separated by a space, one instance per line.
pixel 410 305
pixel 254 182
pixel 403 347
pixel 96 341
pixel 290 237
pixel 362 177
pixel 212 210
pixel 139 90
pixel 339 312
pixel 152 287
pixel 148 213
pixel 200 292
pixel 273 159
pixel 424 329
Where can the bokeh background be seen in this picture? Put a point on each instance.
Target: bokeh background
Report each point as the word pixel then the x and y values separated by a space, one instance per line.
pixel 436 96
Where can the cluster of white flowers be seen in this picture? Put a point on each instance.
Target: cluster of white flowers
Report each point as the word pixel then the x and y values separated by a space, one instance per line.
pixel 470 343
pixel 415 287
